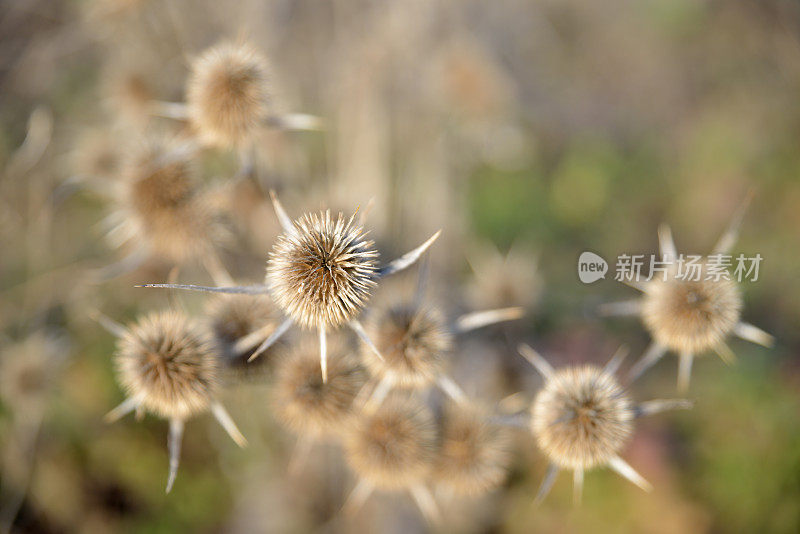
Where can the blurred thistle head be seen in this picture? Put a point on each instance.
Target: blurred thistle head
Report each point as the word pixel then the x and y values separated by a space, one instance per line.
pixel 413 341
pixel 162 207
pixel 503 279
pixel 227 95
pixel 474 454
pixel 167 364
pixel 321 271
pixel 394 446
pixel 582 417
pixel 27 370
pixel 687 315
pixel 239 323
pixel 307 405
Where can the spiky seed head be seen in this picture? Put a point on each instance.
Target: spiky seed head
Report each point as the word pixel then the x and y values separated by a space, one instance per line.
pixel 167 363
pixel 688 315
pixel 163 205
pixel 394 446
pixel 232 318
pixel 227 94
pixel 413 341
pixel 28 369
pixel 474 454
pixel 582 417
pixel 306 404
pixel 321 272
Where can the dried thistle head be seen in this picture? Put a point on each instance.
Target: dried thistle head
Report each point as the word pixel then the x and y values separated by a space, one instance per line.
pixel 582 417
pixel 162 206
pixel 167 364
pixel 321 271
pixel 413 341
pixel 687 315
pixel 394 446
pixel 306 404
pixel 239 323
pixel 474 454
pixel 28 368
pixel 227 94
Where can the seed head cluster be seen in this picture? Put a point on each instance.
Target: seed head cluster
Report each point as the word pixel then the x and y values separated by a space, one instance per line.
pixel 393 447
pixel 232 318
pixel 306 404
pixel 691 315
pixel 582 417
pixel 322 271
pixel 168 364
pixel 413 341
pixel 227 94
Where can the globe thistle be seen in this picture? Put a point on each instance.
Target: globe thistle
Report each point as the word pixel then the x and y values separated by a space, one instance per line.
pixel 413 342
pixel 161 210
pixel 228 94
pixel 474 453
pixel 320 273
pixel 239 324
pixel 28 369
pixel 307 405
pixel 393 448
pixel 502 279
pixel 582 418
pixel 690 312
pixel 166 365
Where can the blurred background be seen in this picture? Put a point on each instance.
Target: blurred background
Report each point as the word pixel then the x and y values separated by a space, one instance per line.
pixel 529 131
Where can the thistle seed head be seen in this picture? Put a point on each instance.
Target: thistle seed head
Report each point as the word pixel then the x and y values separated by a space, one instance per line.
pixel 28 368
pixel 582 417
pixel 306 404
pixel 163 206
pixel 321 273
pixel 413 342
pixel 227 94
pixel 474 454
pixel 393 447
pixel 691 316
pixel 168 364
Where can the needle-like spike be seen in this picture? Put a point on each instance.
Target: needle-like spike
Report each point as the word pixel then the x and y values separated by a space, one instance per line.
pixel 536 359
pixel 475 320
pixel 358 328
pixel 295 122
pixel 452 389
pixel 547 483
pixel 174 445
pixel 407 259
pixel 725 353
pixel 124 408
pixel 254 338
pixel 109 324
pixel 219 274
pixel 236 290
pixel 282 328
pixel 661 405
pixel 170 110
pixel 667 244
pixel 749 332
pixel 626 471
pixel 427 504
pixel 381 391
pixel 577 486
pixel 728 238
pixel 357 497
pixel 653 353
pixel 223 418
pixel 616 360
pixel 618 309
pixel 283 218
pixel 684 371
pixel 323 354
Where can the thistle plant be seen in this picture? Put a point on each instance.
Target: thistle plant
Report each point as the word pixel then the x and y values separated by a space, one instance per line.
pixel 167 367
pixel 690 313
pixel 583 418
pixel 320 273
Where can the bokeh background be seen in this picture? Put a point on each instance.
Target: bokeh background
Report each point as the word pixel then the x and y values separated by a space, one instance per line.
pixel 529 131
